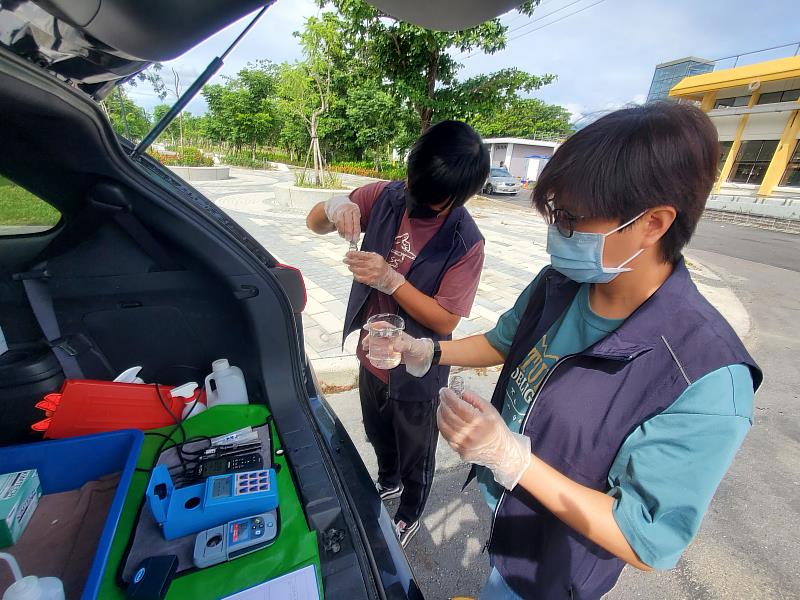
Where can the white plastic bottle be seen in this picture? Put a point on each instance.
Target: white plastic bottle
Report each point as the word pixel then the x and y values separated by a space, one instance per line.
pixel 35 588
pixel 31 587
pixel 228 384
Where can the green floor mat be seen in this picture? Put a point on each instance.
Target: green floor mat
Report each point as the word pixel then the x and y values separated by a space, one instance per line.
pixel 295 547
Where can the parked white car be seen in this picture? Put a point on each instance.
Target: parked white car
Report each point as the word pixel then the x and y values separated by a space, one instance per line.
pixel 500 181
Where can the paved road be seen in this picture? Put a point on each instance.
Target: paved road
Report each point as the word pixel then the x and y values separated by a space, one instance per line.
pixel 748 243
pixel 748 545
pixel 523 198
pixel 249 198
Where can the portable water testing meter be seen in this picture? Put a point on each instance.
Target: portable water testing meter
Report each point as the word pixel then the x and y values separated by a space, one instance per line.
pixel 218 500
pixel 234 539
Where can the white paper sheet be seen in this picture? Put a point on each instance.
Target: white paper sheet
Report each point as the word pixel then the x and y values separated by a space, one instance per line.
pixel 297 585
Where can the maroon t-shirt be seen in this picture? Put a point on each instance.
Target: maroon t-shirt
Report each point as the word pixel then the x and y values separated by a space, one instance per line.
pixel 459 285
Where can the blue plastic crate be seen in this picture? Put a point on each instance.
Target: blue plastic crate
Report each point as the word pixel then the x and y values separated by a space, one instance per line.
pixel 67 464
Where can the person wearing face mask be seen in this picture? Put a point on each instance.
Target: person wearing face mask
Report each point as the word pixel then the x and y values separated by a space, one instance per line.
pixel 624 394
pixel 421 258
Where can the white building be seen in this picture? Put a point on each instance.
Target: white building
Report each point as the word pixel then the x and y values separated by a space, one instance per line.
pixel 522 157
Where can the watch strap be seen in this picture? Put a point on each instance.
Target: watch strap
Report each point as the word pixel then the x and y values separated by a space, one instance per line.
pixel 437 353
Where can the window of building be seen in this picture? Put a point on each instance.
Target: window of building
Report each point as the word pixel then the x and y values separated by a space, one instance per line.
pixel 724 150
pixel 792 174
pixel 773 97
pixel 21 212
pixel 752 161
pixel 791 96
pixel 733 101
pixel 770 98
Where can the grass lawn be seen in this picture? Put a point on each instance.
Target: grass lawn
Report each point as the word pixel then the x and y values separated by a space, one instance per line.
pixel 19 207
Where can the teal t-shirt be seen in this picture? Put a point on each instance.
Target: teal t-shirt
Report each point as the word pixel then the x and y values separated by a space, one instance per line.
pixel 577 329
pixel 669 467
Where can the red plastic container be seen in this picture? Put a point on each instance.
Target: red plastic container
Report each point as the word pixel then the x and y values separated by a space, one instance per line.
pixel 85 406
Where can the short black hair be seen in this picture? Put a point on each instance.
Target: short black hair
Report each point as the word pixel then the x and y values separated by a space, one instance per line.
pixel 448 162
pixel 661 153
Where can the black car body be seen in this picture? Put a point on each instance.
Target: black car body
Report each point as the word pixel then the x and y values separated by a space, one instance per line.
pixel 181 286
pixel 211 290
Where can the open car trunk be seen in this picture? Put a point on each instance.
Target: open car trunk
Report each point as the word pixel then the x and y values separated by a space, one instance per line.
pixel 143 270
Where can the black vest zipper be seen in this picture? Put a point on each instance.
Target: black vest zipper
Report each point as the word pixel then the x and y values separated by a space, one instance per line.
pixel 488 543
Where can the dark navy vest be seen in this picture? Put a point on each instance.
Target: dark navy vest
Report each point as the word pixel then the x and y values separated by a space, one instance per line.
pixel 584 410
pixel 456 236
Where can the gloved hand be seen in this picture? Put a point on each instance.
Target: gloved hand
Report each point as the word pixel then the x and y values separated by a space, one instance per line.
pixel 474 429
pixel 417 353
pixel 371 269
pixel 345 215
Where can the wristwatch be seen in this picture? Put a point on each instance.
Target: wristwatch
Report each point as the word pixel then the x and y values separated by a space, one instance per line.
pixel 437 353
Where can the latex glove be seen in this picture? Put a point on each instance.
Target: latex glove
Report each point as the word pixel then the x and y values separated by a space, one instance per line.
pixel 474 429
pixel 417 353
pixel 346 217
pixel 371 269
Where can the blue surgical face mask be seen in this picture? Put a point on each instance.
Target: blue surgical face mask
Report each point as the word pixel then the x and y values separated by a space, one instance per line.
pixel 580 257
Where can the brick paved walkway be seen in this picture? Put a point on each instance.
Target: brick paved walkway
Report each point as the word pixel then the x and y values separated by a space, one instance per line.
pixel 515 252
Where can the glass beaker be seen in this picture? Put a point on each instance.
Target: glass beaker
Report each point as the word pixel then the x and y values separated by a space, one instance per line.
pixel 382 331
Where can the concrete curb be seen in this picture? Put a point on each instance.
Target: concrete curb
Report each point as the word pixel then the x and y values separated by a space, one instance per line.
pixel 287 194
pixel 789 209
pixel 722 297
pixel 202 173
pixel 340 372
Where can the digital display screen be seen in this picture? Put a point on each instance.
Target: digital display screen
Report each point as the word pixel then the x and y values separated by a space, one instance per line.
pixel 221 488
pixel 240 531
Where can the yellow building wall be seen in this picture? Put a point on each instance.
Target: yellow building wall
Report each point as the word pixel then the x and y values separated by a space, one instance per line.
pixel 737 142
pixel 780 159
pixel 705 88
pixel 708 101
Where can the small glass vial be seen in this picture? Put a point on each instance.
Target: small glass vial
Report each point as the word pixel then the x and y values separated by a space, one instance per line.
pixel 457 385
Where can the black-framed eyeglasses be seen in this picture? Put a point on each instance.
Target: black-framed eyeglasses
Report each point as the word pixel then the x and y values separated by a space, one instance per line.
pixel 562 219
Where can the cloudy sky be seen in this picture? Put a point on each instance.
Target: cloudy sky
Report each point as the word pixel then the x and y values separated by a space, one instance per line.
pixel 603 51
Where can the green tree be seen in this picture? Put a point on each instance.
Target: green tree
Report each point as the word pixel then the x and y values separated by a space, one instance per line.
pixel 523 117
pixel 172 130
pixel 152 76
pixel 340 126
pixel 127 118
pixel 293 134
pixel 373 114
pixel 194 129
pixel 420 64
pixel 305 87
pixel 242 110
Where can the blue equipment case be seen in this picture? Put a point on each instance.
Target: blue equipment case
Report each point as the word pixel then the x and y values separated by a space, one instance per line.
pixel 67 464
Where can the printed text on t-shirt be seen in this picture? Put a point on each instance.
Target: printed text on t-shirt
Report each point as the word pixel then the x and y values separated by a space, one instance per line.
pixel 401 251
